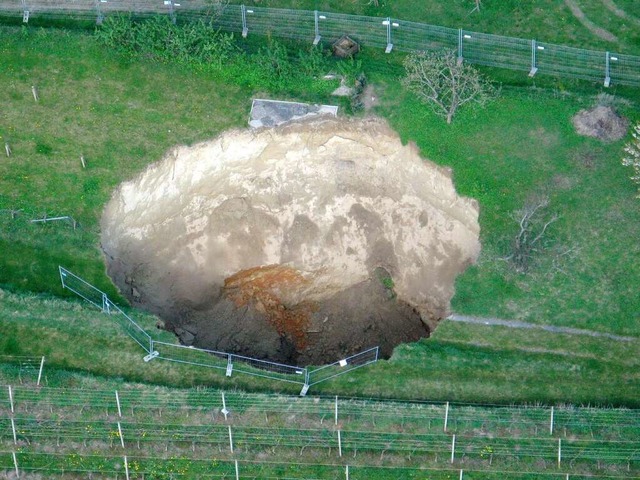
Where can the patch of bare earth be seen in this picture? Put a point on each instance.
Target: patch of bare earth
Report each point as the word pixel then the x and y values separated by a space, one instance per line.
pixel 601 122
pixel 299 244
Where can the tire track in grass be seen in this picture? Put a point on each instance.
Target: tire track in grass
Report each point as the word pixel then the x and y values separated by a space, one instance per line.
pixel 617 11
pixel 549 328
pixel 588 24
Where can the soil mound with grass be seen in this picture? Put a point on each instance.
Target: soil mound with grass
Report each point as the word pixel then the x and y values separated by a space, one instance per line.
pixel 300 244
pixel 601 122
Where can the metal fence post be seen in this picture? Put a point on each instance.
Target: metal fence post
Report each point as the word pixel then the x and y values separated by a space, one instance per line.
pixel 243 12
pixel 551 422
pixel 105 304
pixel 534 69
pixel 229 365
pixel 172 13
pixel 317 38
pixel 607 70
pixel 25 12
pixel 460 45
pixel 99 16
pixel 389 44
pixel 305 387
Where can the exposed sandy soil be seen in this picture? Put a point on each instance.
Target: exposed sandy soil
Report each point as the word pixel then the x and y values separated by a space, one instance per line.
pixel 600 122
pixel 300 244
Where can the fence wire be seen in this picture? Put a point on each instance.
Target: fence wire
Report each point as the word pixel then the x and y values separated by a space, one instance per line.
pixel 479 48
pixel 209 358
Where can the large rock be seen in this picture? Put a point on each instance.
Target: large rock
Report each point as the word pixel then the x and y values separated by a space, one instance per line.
pixel 300 244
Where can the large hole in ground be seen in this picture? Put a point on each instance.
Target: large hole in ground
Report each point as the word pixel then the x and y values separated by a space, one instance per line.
pixel 300 244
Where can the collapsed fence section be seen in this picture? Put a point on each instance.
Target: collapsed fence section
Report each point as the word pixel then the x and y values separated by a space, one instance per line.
pixel 518 54
pixel 228 362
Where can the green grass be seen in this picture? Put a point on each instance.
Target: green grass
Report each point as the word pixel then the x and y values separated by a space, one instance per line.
pixel 471 363
pixel 123 113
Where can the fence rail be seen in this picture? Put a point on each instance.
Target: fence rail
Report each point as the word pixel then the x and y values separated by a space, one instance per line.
pixel 230 362
pixel 527 55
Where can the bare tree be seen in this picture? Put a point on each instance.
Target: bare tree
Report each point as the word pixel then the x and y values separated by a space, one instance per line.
pixel 533 221
pixel 632 158
pixel 477 7
pixel 445 83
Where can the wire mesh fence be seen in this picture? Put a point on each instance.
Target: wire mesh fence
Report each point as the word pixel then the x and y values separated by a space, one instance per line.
pixel 190 424
pixel 528 55
pixel 210 358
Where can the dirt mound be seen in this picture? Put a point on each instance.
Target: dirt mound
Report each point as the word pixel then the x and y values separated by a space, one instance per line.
pixel 299 244
pixel 601 122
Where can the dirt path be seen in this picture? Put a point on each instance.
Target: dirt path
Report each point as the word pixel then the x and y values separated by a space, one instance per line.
pixel 549 328
pixel 588 24
pixel 619 12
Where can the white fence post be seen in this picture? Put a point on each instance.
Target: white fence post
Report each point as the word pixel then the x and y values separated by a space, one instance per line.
pixel 229 366
pixel 317 38
pixel 461 473
pixel 607 69
pixel 15 464
pixel 453 448
pixel 551 423
pixel 336 415
pixel 11 398
pixel 243 12
pixel 460 45
pixel 346 472
pixel 224 410
pixel 118 403
pixel 40 372
pixel 13 428
pixel 387 22
pixel 534 53
pixel 339 444
pixel 120 434
pixel 559 451
pixel 237 471
pixel 446 416
pixel 230 440
pixel 126 467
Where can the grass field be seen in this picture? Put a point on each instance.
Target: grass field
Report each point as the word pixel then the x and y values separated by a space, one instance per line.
pixel 122 113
